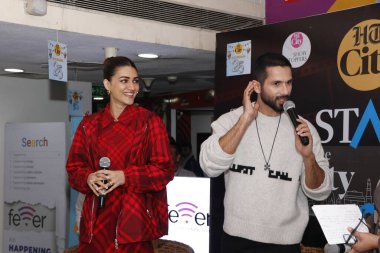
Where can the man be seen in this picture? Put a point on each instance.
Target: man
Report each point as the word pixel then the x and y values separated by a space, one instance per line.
pixel 268 172
pixel 176 155
pixel 188 161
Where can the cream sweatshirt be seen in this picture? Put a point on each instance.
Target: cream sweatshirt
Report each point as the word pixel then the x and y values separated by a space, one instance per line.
pixel 268 206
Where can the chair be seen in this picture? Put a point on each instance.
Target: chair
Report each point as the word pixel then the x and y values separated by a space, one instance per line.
pixel 311 249
pixel 167 246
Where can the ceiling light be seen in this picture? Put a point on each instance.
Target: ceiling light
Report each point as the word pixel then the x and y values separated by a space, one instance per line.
pixel 172 79
pixel 149 56
pixel 14 70
pixel 98 98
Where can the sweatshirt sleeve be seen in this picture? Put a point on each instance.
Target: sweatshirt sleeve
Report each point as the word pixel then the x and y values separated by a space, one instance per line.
pixel 213 160
pixel 324 190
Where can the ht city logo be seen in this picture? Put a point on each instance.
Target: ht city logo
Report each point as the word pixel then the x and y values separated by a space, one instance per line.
pixel 25 216
pixel 358 56
pixel 187 212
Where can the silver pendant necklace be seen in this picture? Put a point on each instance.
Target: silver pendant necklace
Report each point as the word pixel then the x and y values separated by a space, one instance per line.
pixel 267 165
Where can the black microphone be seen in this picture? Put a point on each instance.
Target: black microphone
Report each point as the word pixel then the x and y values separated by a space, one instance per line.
pixel 104 164
pixel 290 108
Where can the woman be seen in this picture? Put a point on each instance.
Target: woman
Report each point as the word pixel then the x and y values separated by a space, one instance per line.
pixel 136 142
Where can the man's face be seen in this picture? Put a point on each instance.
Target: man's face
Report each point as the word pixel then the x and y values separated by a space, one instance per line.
pixel 185 151
pixel 277 87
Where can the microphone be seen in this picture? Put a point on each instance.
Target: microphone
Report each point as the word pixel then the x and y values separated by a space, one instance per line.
pixel 104 164
pixel 290 108
pixel 336 248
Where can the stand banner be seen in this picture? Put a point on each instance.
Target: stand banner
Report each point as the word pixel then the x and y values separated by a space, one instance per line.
pixel 34 187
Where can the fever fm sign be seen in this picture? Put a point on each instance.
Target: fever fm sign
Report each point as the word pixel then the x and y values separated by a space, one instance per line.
pixel 188 213
pixel 358 57
pixel 189 209
pixel 21 216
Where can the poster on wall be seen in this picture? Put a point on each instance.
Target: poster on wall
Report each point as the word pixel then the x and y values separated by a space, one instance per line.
pixel 74 98
pixel 189 212
pixel 238 59
pixel 79 98
pixel 57 61
pixel 34 187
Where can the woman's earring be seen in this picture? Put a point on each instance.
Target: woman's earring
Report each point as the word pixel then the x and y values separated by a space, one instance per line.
pixel 108 92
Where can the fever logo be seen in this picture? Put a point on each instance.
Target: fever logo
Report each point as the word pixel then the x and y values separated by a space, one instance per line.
pixel 186 210
pixel 26 213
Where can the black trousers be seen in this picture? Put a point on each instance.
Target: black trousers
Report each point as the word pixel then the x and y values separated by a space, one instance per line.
pixel 234 244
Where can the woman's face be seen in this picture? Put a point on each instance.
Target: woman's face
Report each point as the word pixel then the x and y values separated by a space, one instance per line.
pixel 123 86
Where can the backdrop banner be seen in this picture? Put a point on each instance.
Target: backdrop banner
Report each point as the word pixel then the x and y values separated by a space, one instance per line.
pixel 336 67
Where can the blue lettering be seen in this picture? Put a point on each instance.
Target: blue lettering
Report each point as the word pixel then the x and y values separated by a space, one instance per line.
pixel 23 142
pixel 369 115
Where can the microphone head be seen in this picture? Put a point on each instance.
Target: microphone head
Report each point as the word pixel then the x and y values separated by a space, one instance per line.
pixel 288 104
pixel 336 248
pixel 104 162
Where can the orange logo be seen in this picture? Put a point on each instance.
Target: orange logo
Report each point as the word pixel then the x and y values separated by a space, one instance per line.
pixel 358 57
pixel 238 48
pixel 57 49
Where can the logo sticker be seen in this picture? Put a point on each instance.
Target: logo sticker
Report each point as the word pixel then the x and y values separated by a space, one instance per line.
pixel 297 49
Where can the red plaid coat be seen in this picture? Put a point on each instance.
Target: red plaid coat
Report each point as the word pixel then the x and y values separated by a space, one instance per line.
pixel 138 145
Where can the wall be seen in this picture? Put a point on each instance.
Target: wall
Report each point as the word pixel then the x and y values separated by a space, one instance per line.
pixel 27 100
pixel 98 23
pixel 248 8
pixel 279 11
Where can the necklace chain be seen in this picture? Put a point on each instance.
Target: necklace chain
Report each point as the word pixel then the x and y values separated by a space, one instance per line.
pixel 267 165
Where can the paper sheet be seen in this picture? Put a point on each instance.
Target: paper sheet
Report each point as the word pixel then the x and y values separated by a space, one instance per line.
pixel 334 220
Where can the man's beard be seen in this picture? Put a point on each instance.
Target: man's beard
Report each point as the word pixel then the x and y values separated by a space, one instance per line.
pixel 272 103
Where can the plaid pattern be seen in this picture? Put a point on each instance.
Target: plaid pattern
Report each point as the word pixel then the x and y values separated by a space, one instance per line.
pixel 138 145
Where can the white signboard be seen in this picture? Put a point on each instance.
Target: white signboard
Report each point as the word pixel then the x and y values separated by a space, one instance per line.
pixel 57 59
pixel 297 49
pixel 238 58
pixel 34 187
pixel 189 212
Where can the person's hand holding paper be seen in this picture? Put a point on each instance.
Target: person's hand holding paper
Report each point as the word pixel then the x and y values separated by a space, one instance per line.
pixel 334 220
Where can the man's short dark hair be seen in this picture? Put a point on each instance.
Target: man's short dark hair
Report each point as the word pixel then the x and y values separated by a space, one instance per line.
pixel 174 144
pixel 268 60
